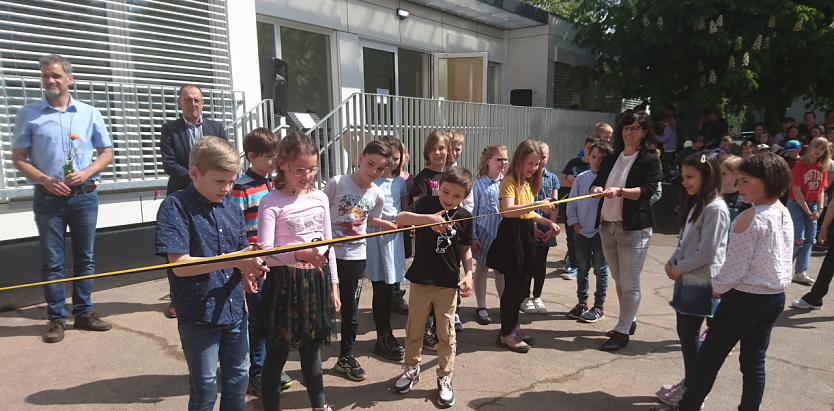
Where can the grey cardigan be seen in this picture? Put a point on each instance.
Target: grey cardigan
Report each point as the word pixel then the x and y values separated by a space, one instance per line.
pixel 705 245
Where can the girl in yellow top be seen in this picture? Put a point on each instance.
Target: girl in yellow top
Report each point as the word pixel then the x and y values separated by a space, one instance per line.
pixel 513 251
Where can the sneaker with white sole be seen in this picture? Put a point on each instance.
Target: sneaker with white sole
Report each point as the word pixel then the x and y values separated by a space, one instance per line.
pixel 803 305
pixel 593 315
pixel 458 324
pixel 577 311
pixel 521 334
pixel 671 397
pixel 445 394
pixel 540 308
pixel 410 377
pixel 528 307
pixel 512 342
pixel 803 278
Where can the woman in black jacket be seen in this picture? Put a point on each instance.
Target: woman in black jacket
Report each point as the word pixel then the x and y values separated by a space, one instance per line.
pixel 628 178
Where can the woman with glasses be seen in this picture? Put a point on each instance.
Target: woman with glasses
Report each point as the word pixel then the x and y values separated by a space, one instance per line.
pixel 628 179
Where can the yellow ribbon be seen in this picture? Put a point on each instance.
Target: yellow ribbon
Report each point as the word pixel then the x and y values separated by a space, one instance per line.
pixel 277 250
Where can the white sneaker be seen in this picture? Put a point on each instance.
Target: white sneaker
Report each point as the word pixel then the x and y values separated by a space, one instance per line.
pixel 540 308
pixel 528 307
pixel 410 377
pixel 802 305
pixel 446 397
pixel 803 278
pixel 513 342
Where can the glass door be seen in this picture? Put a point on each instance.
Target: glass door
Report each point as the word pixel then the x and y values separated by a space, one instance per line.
pixel 461 77
pixel 379 68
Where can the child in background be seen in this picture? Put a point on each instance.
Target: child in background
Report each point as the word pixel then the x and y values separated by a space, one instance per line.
pixel 198 222
pixel 791 152
pixel 490 173
pixel 398 304
pixel 385 255
pixel 355 202
pixel 456 142
pixel 601 131
pixel 669 138
pixel 700 253
pixel 729 167
pixel 751 284
pixel 261 148
pixel 548 190
pixel 805 201
pixel 726 142
pixel 300 291
pixel 513 252
pixel 582 215
pixel 782 137
pixel 697 145
pixel 747 148
pixel 575 167
pixel 435 277
pixel 437 154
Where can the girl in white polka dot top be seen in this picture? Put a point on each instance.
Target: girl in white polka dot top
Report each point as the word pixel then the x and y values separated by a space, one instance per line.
pixel 750 284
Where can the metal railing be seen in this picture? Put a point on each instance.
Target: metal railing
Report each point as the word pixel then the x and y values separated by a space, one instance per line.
pixel 134 115
pixel 361 118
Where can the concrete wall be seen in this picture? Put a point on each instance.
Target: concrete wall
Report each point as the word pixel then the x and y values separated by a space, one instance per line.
pixel 243 50
pixel 527 66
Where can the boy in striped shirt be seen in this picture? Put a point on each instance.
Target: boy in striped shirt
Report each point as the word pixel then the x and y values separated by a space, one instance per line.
pixel 261 148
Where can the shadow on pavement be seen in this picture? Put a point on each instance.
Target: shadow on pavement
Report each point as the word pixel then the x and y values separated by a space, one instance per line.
pixel 561 401
pixel 140 389
pixel 796 318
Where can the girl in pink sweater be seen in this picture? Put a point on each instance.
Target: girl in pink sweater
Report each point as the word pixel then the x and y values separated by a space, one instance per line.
pixel 298 295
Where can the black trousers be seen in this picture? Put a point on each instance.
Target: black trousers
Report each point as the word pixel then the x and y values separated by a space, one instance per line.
pixel 515 291
pixel 274 363
pixel 383 294
pixel 536 280
pixel 350 288
pixel 823 281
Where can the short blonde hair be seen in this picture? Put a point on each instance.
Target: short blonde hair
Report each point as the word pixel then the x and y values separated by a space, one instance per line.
pixel 732 163
pixel 603 128
pixel 454 136
pixel 214 153
pixel 727 139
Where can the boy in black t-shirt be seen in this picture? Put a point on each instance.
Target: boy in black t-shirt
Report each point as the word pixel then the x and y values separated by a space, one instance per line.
pixel 575 167
pixel 435 276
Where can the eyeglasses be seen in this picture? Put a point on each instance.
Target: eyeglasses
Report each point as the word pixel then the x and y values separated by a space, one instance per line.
pixel 635 129
pixel 304 172
pixel 193 100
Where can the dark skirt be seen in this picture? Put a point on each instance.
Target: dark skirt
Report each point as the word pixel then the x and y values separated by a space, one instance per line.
pixel 514 249
pixel 296 307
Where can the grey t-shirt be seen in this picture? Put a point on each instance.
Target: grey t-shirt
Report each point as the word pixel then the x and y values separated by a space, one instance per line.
pixel 350 208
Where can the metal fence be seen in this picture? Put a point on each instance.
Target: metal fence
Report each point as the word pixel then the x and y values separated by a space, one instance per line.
pixel 134 115
pixel 362 118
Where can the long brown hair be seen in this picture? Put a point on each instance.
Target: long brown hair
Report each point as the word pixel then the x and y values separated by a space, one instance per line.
pixel 524 149
pixel 488 153
pixel 708 166
pixel 293 145
pixel 394 143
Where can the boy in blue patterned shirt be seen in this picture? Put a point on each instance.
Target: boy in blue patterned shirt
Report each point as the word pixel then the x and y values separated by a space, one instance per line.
pixel 203 221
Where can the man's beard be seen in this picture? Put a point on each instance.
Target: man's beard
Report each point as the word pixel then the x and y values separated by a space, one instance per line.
pixel 54 92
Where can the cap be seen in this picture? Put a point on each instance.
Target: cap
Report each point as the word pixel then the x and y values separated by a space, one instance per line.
pixel 792 145
pixel 762 147
pixel 722 150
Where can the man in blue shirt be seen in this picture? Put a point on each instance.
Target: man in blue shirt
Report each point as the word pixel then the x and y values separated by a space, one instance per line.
pixel 53 147
pixel 203 221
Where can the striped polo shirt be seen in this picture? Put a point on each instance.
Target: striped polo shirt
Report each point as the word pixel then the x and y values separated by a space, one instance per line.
pixel 248 191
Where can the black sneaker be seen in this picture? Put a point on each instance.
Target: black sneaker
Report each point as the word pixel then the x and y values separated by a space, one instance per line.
pixel 254 388
pixel 384 348
pixel 398 303
pixel 351 368
pixel 395 343
pixel 577 311
pixel 410 377
pixel 429 342
pixel 593 315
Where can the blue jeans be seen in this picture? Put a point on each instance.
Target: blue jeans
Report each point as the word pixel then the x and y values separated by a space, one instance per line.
pixel 257 344
pixel 741 317
pixel 203 345
pixel 589 250
pixel 52 216
pixel 803 229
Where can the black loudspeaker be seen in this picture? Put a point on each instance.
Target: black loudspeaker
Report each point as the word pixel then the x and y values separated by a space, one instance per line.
pixel 521 97
pixel 274 83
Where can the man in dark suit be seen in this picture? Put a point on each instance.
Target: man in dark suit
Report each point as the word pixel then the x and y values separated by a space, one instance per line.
pixel 180 135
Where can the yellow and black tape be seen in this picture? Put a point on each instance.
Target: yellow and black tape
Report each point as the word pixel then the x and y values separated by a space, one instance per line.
pixel 270 251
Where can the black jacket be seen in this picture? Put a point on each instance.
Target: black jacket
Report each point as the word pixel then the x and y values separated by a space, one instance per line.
pixel 645 173
pixel 176 147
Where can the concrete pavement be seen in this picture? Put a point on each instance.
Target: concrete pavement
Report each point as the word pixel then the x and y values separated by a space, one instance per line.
pixel 139 364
